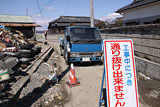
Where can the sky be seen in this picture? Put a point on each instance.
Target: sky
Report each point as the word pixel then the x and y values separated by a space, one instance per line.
pixel 44 11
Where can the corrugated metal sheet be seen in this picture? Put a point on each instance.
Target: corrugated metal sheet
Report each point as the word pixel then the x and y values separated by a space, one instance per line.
pixel 19 25
pixel 15 19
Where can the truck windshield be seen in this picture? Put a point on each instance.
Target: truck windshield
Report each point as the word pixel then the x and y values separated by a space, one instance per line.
pixel 84 34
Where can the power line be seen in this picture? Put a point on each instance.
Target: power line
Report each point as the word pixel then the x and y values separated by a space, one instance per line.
pixel 66 7
pixel 47 4
pixel 40 11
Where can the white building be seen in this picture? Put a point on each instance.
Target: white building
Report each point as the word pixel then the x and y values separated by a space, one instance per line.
pixel 141 12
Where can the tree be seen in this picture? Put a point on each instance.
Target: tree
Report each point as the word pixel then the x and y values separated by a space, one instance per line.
pixel 100 25
pixel 119 22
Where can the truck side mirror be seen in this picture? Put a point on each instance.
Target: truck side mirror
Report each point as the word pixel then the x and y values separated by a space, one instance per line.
pixel 68 38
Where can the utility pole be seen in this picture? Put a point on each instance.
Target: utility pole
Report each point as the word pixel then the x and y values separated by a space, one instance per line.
pixel 91 12
pixel 26 11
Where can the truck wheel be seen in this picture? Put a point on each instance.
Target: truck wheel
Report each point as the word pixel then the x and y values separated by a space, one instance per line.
pixel 100 63
pixel 67 62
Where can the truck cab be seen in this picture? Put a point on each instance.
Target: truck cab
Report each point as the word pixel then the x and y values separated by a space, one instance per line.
pixel 82 44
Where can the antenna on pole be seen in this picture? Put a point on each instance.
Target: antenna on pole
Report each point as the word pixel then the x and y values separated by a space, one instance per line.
pixel 92 15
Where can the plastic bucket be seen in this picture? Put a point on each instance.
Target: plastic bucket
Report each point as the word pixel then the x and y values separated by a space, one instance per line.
pixel 4 74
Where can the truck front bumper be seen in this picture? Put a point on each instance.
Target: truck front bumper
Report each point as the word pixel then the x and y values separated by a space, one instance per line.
pixel 84 59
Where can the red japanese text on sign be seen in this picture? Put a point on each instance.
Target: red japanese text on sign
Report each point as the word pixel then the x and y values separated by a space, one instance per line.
pixel 117 74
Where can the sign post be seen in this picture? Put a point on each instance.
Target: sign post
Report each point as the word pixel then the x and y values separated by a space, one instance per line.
pixel 119 74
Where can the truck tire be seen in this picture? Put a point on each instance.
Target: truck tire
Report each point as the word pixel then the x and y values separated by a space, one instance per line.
pixel 66 59
pixel 100 63
pixel 67 62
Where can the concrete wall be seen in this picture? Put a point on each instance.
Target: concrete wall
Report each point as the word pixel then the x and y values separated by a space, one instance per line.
pixel 148 68
pixel 146 40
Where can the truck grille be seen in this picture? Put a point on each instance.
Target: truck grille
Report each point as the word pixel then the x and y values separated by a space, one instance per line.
pixel 86 54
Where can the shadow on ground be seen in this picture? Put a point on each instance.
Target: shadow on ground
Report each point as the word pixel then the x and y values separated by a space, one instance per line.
pixel 86 64
pixel 33 96
pixel 38 92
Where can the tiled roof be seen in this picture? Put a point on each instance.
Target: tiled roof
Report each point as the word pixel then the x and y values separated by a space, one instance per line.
pixel 136 3
pixel 73 19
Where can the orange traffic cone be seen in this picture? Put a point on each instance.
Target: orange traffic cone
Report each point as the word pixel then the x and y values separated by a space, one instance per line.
pixel 72 78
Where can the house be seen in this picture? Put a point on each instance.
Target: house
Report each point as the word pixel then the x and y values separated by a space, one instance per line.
pixel 64 21
pixel 25 24
pixel 141 12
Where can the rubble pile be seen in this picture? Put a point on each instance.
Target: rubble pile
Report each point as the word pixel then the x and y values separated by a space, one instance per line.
pixel 16 52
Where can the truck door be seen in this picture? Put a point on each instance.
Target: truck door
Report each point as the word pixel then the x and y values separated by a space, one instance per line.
pixel 66 44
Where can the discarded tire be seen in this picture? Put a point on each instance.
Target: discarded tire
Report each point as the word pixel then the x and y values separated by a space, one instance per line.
pixel 26 53
pixel 16 67
pixel 39 49
pixel 25 60
pixel 17 54
pixel 27 46
pixel 36 50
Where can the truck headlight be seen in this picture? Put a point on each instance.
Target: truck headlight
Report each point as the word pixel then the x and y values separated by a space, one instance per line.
pixel 98 54
pixel 73 55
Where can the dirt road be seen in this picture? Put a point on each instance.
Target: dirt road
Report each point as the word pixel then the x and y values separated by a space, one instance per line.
pixel 90 77
pixel 87 94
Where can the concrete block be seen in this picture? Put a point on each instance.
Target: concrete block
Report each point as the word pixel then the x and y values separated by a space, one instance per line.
pixel 136 48
pixel 136 40
pixel 142 55
pixel 146 50
pixel 142 42
pixel 154 43
pixel 156 52
pixel 147 67
pixel 149 57
pixel 156 59
pixel 134 35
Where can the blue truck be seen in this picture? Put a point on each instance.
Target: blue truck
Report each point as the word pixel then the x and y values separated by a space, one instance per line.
pixel 81 44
